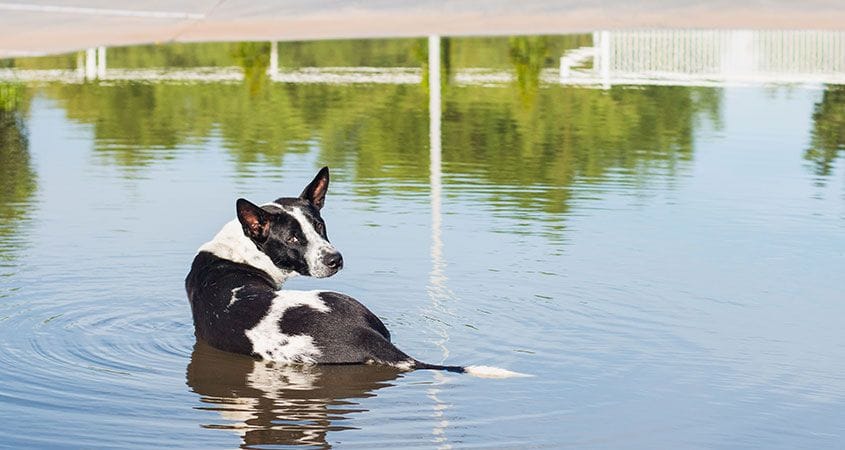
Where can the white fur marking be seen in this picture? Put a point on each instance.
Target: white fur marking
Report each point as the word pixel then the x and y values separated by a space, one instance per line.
pixel 492 372
pixel 231 244
pixel 317 246
pixel 270 343
pixel 234 295
pixel 404 365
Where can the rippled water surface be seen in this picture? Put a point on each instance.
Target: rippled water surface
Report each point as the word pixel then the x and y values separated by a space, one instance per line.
pixel 666 261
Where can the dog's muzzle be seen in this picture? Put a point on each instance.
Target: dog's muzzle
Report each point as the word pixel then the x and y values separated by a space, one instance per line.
pixel 329 264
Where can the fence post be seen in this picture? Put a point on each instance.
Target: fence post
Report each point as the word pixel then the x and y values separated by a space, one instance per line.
pixel 274 59
pixel 90 64
pixel 101 62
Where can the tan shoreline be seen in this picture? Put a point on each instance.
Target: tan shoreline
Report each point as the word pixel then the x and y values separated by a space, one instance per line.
pixel 45 32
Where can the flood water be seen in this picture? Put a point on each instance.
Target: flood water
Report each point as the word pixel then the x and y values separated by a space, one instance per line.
pixel 665 261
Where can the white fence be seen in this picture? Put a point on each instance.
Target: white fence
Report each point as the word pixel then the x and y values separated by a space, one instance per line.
pixel 708 57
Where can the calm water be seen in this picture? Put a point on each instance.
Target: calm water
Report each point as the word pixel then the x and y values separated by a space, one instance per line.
pixel 666 261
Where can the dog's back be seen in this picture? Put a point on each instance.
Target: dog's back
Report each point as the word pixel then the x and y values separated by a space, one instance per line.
pixel 236 308
pixel 219 320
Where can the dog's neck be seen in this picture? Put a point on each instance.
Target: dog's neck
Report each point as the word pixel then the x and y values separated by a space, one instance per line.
pixel 232 245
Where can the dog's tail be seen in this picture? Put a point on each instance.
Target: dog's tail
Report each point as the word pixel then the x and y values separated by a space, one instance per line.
pixel 476 371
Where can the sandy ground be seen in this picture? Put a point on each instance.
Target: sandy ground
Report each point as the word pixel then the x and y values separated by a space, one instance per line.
pixel 55 26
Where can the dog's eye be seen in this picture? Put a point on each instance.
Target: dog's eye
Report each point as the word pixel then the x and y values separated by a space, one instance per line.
pixel 292 239
pixel 319 227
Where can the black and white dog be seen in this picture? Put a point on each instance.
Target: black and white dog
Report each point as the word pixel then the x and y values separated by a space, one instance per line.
pixel 238 306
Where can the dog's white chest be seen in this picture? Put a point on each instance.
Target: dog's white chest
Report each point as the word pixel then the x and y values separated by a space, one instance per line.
pixel 267 338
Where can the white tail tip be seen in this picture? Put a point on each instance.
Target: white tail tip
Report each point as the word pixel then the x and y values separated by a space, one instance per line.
pixel 492 372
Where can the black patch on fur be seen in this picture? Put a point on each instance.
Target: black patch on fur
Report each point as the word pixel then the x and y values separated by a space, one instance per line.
pixel 348 333
pixel 210 284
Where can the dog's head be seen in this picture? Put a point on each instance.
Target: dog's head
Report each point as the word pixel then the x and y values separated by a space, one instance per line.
pixel 291 232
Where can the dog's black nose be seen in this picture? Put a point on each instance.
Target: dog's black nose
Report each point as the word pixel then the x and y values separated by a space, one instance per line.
pixel 333 260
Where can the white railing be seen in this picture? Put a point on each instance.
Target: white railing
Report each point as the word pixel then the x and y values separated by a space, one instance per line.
pixel 708 57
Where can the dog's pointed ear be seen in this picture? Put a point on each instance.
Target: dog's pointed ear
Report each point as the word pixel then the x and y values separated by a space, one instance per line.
pixel 315 192
pixel 253 219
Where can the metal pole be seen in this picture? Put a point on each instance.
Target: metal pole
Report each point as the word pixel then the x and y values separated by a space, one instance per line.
pixel 274 59
pixel 434 118
pixel 101 62
pixel 90 63
pixel 605 59
pixel 437 277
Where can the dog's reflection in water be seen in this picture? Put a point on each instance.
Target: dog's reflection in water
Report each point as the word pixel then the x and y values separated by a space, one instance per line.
pixel 281 405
